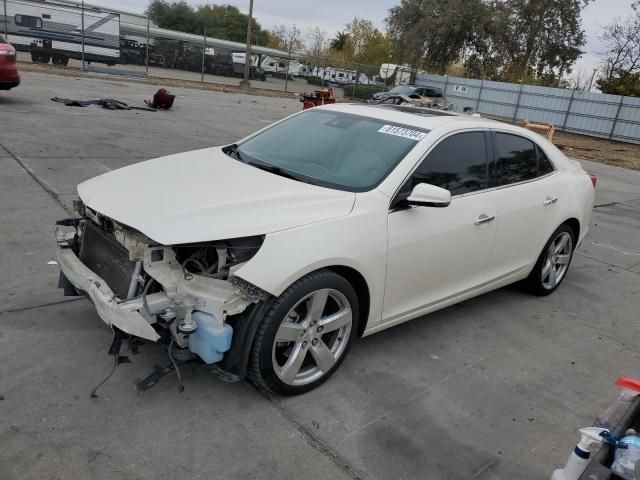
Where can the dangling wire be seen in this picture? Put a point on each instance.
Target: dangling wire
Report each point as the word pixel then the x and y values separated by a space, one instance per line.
pixel 93 393
pixel 175 366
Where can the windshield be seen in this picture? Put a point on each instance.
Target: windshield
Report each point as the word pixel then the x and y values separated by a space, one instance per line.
pixel 332 149
pixel 402 90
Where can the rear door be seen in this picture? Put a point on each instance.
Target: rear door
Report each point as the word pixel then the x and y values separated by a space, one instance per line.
pixel 435 254
pixel 529 193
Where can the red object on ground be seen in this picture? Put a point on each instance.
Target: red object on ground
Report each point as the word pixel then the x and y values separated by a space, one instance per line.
pixel 161 99
pixel 324 96
pixel 593 178
pixel 9 77
pixel 629 383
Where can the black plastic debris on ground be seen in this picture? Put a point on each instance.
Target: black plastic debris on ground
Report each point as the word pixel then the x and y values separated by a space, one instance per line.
pixel 108 103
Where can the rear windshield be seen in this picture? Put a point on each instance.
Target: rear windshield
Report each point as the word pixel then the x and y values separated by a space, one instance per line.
pixel 333 149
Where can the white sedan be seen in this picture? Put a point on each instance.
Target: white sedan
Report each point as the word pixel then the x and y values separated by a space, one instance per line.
pixel 271 255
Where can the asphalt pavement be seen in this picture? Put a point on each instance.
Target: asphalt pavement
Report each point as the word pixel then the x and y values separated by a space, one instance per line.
pixel 493 388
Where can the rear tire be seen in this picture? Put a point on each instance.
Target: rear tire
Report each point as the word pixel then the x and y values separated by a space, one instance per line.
pixel 60 60
pixel 305 334
pixel 553 263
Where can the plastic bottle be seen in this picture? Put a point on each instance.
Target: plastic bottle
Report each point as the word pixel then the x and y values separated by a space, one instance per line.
pixel 624 464
pixel 590 441
pixel 610 418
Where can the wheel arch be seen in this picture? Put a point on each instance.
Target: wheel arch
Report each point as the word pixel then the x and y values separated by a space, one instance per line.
pixel 574 224
pixel 245 325
pixel 359 283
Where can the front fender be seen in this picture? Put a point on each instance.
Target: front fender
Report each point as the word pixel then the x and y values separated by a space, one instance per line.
pixel 358 241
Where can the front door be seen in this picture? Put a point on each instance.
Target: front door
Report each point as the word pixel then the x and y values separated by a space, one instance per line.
pixel 435 254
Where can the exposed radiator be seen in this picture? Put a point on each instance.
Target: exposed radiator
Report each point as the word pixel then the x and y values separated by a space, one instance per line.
pixel 106 257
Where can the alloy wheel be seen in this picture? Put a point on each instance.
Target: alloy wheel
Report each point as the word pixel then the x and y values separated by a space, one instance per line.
pixel 312 337
pixel 557 260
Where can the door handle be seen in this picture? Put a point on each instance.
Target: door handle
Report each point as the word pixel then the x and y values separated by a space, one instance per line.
pixel 484 218
pixel 550 201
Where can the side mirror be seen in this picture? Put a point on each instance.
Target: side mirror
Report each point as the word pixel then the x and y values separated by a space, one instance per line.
pixel 427 195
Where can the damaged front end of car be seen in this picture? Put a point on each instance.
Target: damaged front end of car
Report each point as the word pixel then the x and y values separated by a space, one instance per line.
pixel 185 296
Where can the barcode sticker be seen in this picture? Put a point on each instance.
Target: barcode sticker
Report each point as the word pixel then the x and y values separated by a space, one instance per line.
pixel 403 132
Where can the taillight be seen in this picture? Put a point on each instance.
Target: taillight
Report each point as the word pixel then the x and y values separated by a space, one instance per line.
pixel 6 49
pixel 593 178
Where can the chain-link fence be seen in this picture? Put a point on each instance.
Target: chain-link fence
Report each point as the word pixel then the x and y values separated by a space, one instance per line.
pixel 77 35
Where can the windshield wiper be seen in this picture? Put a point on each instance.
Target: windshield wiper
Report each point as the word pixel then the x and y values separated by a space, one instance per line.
pixel 276 170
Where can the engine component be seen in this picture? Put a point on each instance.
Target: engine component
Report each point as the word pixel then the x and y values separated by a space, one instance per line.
pixel 105 256
pixel 211 339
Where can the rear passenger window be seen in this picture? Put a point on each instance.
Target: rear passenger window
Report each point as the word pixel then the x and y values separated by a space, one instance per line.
pixel 458 163
pixel 544 165
pixel 517 159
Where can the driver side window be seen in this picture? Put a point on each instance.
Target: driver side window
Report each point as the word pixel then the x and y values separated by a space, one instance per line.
pixel 458 164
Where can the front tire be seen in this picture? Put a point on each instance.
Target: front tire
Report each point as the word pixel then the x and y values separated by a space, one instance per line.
pixel 305 335
pixel 553 263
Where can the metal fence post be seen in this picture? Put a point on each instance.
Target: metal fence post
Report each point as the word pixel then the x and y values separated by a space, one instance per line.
pixel 479 95
pixel 204 48
pixel 324 72
pixel 6 21
pixel 386 77
pixel 615 120
pixel 286 74
pixel 446 81
pixel 146 60
pixel 515 112
pixel 566 115
pixel 82 33
pixel 355 84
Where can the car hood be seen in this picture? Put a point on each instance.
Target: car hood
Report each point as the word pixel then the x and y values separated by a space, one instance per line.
pixel 205 195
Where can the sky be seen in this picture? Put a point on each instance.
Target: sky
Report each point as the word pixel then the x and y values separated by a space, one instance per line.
pixel 332 15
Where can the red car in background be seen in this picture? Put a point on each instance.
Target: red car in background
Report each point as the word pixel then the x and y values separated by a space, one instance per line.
pixel 9 76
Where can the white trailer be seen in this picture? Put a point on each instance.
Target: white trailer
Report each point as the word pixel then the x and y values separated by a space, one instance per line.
pixel 56 31
pixel 342 77
pixel 392 74
pixel 279 65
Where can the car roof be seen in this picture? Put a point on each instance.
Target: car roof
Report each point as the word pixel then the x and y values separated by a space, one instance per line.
pixel 424 118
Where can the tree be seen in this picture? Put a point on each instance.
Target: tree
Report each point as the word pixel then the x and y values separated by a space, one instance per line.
pixel 317 43
pixel 220 21
pixel 517 40
pixel 432 32
pixel 172 15
pixel 621 62
pixel 282 37
pixel 367 44
pixel 340 41
pixel 538 38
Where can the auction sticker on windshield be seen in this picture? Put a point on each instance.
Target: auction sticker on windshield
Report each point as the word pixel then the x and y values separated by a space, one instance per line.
pixel 403 132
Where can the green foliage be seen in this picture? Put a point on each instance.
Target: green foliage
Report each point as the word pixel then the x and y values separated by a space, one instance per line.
pixel 512 40
pixel 621 62
pixel 627 85
pixel 340 41
pixel 283 38
pixel 220 21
